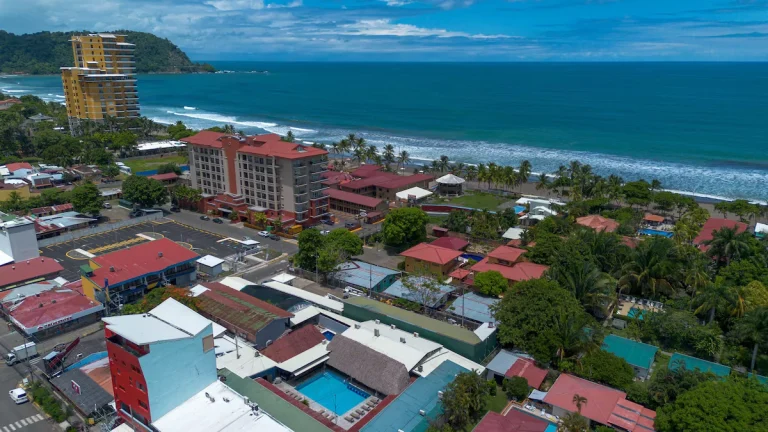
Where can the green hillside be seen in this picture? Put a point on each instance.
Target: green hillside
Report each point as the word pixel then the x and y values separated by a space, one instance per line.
pixel 46 52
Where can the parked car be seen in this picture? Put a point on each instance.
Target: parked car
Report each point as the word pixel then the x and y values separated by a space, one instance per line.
pixel 204 217
pixel 107 205
pixel 351 225
pixel 327 221
pixel 218 221
pixel 325 232
pixel 175 208
pixel 18 395
pixel 136 213
pixel 264 233
pixel 274 237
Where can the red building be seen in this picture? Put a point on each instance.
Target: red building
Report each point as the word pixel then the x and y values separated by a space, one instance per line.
pixel 31 270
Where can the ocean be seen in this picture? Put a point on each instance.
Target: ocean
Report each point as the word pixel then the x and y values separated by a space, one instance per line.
pixel 698 127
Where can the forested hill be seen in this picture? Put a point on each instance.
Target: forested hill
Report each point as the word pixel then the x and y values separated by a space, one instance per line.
pixel 46 52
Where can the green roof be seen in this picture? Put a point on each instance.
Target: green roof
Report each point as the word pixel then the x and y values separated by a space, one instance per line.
pixel 693 363
pixel 439 327
pixel 635 353
pixel 273 404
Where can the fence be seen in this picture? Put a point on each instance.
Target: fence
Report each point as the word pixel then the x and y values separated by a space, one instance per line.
pixel 73 235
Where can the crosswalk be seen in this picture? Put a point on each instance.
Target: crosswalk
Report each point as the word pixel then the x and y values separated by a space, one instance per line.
pixel 20 424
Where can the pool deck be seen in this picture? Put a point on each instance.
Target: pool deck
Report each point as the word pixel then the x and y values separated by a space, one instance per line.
pixel 625 304
pixel 339 420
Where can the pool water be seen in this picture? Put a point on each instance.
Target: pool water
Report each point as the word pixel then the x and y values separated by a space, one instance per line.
pixel 636 313
pixel 648 231
pixel 472 256
pixel 329 335
pixel 519 209
pixel 332 392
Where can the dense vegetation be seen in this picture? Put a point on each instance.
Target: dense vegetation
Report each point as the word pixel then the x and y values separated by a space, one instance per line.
pixel 46 52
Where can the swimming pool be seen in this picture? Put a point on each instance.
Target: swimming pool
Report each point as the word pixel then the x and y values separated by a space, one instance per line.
pixel 472 256
pixel 636 313
pixel 333 392
pixel 648 231
pixel 329 335
pixel 519 209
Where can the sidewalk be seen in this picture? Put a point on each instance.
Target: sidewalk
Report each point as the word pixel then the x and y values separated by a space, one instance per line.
pixel 11 338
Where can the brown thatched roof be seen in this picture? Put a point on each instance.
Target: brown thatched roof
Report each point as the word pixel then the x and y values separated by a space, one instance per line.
pixel 370 367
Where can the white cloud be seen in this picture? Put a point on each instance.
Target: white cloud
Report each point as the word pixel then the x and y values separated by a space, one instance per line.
pixel 232 5
pixel 293 4
pixel 396 3
pixel 384 27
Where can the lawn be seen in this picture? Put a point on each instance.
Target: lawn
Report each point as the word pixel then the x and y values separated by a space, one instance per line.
pixel 437 220
pixel 139 165
pixel 479 200
pixel 497 403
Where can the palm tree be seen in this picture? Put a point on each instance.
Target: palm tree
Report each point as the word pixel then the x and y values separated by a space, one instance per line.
pixel 508 176
pixel 470 172
pixel 593 288
pixel 569 334
pixel 371 152
pixel 753 328
pixel 345 145
pixel 712 297
pixel 650 270
pixel 458 169
pixel 389 154
pixel 229 129
pixel 561 178
pixel 728 245
pixel 403 158
pixel 524 172
pixel 336 147
pixel 444 162
pixel 360 153
pixel 573 422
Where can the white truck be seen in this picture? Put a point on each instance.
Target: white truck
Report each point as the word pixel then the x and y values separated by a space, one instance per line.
pixel 21 353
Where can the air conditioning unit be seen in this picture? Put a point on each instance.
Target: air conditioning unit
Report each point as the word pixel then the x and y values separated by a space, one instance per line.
pixel 357 326
pixel 415 334
pixel 392 326
pixel 378 322
pixel 422 413
pixel 376 332
pixel 402 339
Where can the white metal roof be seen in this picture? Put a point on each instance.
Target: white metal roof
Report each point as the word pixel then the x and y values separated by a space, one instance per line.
pixel 447 355
pixel 484 331
pixel 283 278
pixel 761 228
pixel 197 290
pixel 513 233
pixel 236 282
pixel 323 302
pixel 169 321
pixel 426 346
pixel 313 355
pixel 250 362
pixel 210 261
pixel 180 316
pixel 403 353
pixel 160 145
pixel 417 192
pixel 209 411
pixel 305 314
pixel 450 179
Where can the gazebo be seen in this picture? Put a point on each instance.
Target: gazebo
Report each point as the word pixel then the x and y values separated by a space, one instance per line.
pixel 449 184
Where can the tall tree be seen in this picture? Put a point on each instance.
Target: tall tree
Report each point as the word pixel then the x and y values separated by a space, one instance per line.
pixel 403 158
pixel 464 400
pixel 753 328
pixel 86 198
pixel 727 245
pixel 405 226
pixel 144 191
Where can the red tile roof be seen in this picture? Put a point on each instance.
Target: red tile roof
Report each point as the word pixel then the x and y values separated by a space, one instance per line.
pixel 205 139
pixel 601 400
pixel 506 253
pixel 631 242
pixel 353 198
pixel 429 253
pixel 527 369
pixel 632 417
pixel 140 260
pixel 598 223
pixel 52 306
pixel 366 171
pixel 294 343
pixel 519 272
pixel 514 421
pixel 519 243
pixel 454 243
pixel 653 218
pixel 460 273
pixel 18 165
pixel 272 145
pixel 714 224
pixel 387 181
pixel 333 178
pixel 166 176
pixel 35 268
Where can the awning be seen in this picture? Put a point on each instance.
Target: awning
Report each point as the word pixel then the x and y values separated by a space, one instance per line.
pixel 537 395
pixel 414 193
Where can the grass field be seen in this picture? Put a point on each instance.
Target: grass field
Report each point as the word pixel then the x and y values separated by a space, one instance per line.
pixel 497 403
pixel 138 165
pixel 480 200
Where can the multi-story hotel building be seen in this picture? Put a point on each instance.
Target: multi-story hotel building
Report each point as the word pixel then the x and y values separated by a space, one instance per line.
pixel 102 82
pixel 268 174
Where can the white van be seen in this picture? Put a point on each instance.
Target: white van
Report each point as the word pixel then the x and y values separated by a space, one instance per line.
pixel 18 395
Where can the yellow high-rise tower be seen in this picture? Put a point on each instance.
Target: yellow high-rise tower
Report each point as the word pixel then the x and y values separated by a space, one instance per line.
pixel 103 82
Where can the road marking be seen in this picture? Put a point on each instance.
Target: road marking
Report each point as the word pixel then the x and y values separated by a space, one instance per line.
pixel 23 422
pixel 5 429
pixel 18 426
pixel 11 426
pixel 39 417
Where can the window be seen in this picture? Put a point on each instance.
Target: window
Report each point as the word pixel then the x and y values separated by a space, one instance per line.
pixel 207 343
pixel 143 404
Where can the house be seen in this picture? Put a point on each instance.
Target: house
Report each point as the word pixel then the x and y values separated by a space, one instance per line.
pixel 7 103
pixel 38 118
pixel 168 179
pixel 598 223
pixel 514 421
pixel 31 270
pixel 454 243
pixel 413 195
pixel 372 181
pixel 433 259
pixel 7 188
pixel 474 307
pixel 90 172
pixel 692 363
pixel 299 352
pixel 507 364
pixel 605 406
pixel 352 203
pixel 639 355
pixel 449 184
pixel 508 261
pixel 714 224
pixel 433 298
pixel 361 275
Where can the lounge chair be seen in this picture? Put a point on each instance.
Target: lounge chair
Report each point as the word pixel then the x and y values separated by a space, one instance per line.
pixel 355 415
pixel 366 407
pixel 375 400
pixel 359 411
pixel 370 404
pixel 349 419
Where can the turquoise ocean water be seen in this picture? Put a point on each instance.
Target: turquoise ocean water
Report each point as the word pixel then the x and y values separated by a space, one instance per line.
pixel 697 127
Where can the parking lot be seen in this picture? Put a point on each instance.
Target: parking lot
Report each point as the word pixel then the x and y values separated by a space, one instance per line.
pixel 201 241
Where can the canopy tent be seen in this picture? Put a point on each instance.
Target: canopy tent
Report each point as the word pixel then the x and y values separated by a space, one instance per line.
pixel 416 193
pixel 450 179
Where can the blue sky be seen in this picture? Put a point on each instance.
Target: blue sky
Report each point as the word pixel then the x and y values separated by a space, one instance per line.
pixel 422 30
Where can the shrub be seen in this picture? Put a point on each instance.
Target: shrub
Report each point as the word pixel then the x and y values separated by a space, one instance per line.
pixel 401 266
pixel 491 387
pixel 516 388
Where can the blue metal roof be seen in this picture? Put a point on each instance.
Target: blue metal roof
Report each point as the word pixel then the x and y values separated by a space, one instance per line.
pixel 403 413
pixel 475 307
pixel 362 274
pixel 397 289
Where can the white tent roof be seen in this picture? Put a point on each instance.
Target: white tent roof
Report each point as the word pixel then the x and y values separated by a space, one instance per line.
pixel 761 228
pixel 513 233
pixel 418 192
pixel 450 179
pixel 283 278
pixel 210 261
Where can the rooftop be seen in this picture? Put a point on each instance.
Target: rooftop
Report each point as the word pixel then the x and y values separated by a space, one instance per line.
pixel 242 359
pixel 165 176
pixel 635 353
pixel 362 274
pixel 169 321
pixel 325 302
pixel 598 223
pixel 371 367
pixel 519 272
pixel 527 369
pixel 650 217
pixel 91 397
pixel 415 192
pixel 18 165
pixel 409 355
pixel 475 307
pixel 450 179
pixel 506 253
pixel 454 243
pixel 503 361
pixel 439 327
pixel 237 308
pixel 387 181
pixel 514 421
pixel 430 253
pixel 398 289
pixel 51 307
pixel 693 363
pixel 714 224
pixel 142 259
pixel 210 261
pixel 601 399
pixel 262 145
pixel 22 291
pixel 217 408
pixel 35 268
pixel 352 198
pixel 294 343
